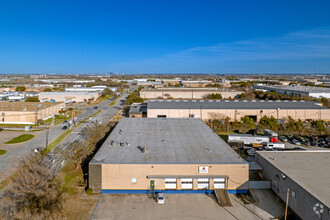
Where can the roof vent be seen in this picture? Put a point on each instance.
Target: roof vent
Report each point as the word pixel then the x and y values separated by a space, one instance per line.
pixel 206 148
pixel 142 149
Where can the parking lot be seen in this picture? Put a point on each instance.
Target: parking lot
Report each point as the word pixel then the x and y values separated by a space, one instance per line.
pixel 177 206
pixel 8 135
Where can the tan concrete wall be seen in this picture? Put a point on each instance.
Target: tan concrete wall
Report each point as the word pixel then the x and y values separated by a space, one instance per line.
pixel 316 114
pixel 119 176
pixel 28 117
pixel 152 94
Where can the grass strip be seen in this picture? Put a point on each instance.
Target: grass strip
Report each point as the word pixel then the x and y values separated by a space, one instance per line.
pixel 2 152
pixel 55 142
pixel 20 139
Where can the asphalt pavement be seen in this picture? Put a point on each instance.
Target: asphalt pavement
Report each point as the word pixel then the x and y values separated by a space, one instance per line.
pixel 8 161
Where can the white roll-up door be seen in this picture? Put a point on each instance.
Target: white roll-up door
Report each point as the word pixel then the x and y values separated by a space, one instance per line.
pixel 186 183
pixel 219 183
pixel 170 183
pixel 203 183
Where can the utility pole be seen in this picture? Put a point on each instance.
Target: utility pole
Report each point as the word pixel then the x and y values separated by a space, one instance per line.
pixel 287 204
pixel 53 120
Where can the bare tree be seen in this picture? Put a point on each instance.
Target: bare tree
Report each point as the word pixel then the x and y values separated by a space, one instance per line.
pixel 33 192
pixel 216 120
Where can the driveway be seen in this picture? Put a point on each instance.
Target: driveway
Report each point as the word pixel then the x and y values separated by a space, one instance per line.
pixel 177 206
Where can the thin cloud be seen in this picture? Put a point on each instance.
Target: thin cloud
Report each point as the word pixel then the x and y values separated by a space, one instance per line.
pixel 302 51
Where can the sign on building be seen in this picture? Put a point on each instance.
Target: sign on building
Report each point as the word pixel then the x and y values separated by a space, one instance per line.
pixel 203 170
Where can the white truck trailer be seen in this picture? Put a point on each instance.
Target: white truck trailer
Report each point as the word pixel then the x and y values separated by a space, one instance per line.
pixel 247 139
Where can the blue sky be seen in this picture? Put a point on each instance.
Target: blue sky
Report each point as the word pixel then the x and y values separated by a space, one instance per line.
pixel 233 36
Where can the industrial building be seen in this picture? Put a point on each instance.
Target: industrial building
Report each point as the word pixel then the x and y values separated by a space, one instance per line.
pixel 236 109
pixel 168 155
pixel 185 93
pixel 90 89
pixel 303 176
pixel 27 112
pixel 300 91
pixel 69 96
pixel 138 110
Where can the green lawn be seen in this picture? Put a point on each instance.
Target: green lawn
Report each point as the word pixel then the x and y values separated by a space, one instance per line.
pixel 20 139
pixel 2 152
pixel 224 135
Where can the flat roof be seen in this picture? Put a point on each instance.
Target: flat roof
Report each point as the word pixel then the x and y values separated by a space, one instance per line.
pixel 67 93
pixel 167 141
pixel 309 89
pixel 26 106
pixel 232 104
pixel 138 108
pixel 309 169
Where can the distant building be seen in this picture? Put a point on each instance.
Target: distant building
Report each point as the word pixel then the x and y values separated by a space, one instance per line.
pixel 236 109
pixel 90 89
pixel 300 91
pixel 305 174
pixel 73 96
pixel 27 112
pixel 185 93
pixel 167 155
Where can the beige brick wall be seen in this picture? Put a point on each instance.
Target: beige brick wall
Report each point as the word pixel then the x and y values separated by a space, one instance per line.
pixel 322 114
pixel 119 176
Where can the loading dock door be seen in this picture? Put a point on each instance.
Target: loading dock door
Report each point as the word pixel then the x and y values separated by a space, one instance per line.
pixel 186 183
pixel 170 183
pixel 203 183
pixel 219 183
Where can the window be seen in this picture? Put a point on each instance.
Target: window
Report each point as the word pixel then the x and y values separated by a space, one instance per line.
pixel 293 194
pixel 3 114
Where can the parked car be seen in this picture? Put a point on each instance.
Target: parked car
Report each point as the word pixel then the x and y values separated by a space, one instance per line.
pixel 283 138
pixel 289 136
pixel 160 198
pixel 64 127
pixel 321 141
pixel 1 129
pixel 295 141
pixel 251 152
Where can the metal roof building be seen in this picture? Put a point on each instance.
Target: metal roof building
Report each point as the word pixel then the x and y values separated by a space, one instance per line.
pixel 305 174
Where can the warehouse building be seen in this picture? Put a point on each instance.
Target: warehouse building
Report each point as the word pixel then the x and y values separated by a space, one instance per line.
pixel 69 96
pixel 300 91
pixel 27 112
pixel 305 174
pixel 185 93
pixel 168 155
pixel 138 110
pixel 236 109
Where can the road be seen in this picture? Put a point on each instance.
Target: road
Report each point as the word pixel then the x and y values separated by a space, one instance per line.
pixel 8 161
pixel 58 155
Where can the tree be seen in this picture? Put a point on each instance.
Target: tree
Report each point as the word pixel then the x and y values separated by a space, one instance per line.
pixel 319 126
pixel 107 92
pixel 32 99
pixel 134 98
pixel 20 88
pixel 247 122
pixel 214 96
pixel 33 193
pixel 216 120
pixel 269 123
pixel 324 101
pixel 47 90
